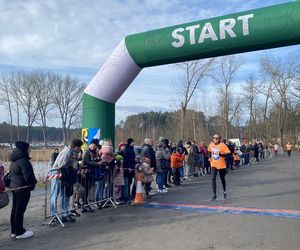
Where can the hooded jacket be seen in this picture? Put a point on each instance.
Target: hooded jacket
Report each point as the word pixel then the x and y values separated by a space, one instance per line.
pixel 21 171
pixel 177 160
pixel 148 151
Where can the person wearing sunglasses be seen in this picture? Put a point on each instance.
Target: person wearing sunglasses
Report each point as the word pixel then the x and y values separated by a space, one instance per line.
pixel 217 153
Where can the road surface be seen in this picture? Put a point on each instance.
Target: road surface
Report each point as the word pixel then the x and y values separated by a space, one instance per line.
pixel 271 184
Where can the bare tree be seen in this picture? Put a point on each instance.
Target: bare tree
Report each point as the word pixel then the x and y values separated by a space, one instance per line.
pixel 44 101
pixel 194 73
pixel 250 92
pixel 281 74
pixel 67 98
pixel 25 84
pixel 5 94
pixel 223 76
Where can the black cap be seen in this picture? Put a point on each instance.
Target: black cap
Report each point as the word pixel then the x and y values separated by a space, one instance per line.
pixel 22 145
pixel 129 141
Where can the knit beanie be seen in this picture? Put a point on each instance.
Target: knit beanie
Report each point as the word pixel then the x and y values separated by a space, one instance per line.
pixel 121 144
pixel 22 145
pixel 119 158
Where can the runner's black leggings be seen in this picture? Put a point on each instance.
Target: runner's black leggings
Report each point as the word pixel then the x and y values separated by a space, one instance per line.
pixel 214 173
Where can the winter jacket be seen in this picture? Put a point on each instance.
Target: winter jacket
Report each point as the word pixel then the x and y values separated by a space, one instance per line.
pixel 89 159
pixel 203 151
pixel 243 149
pixel 2 185
pixel 177 160
pixel 64 159
pixel 190 158
pixel 118 176
pixel 147 171
pixel 182 148
pixel 162 159
pixel 21 171
pixel 147 151
pixel 129 161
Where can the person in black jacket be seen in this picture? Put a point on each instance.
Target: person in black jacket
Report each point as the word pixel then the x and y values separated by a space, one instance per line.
pixel 129 167
pixel 148 152
pixel 22 182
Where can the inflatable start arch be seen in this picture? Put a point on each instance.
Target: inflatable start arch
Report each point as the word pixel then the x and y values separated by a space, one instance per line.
pixel 263 28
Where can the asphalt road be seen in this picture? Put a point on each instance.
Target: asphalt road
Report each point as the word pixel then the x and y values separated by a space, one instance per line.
pixel 271 184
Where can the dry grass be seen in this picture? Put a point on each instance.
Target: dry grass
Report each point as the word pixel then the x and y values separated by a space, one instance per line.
pixel 37 155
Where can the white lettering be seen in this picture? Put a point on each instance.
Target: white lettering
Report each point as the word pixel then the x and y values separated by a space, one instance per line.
pixel 208 32
pixel 211 33
pixel 227 25
pixel 245 23
pixel 192 32
pixel 179 37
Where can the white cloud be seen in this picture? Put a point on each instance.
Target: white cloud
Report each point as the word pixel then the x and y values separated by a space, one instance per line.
pixel 76 37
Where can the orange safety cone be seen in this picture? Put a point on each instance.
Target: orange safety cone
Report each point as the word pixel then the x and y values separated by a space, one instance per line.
pixel 139 197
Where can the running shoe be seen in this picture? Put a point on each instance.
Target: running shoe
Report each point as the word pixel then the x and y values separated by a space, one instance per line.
pixel 224 195
pixel 213 198
pixel 25 235
pixel 163 191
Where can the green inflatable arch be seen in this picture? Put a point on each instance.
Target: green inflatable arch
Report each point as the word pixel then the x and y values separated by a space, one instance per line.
pixel 258 29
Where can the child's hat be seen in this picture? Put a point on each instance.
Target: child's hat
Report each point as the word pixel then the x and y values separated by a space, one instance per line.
pixel 121 144
pixel 119 158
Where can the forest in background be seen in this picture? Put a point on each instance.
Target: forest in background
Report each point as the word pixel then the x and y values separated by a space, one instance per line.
pixel 266 107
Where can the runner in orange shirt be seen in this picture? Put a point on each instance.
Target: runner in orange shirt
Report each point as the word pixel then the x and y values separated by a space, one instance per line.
pixel 218 151
pixel 289 148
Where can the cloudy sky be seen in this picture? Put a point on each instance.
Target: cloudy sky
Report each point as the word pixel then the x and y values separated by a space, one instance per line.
pixel 75 37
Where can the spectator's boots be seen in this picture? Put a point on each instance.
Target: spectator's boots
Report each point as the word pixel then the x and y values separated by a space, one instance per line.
pixel 54 221
pixel 74 213
pixel 213 198
pixel 90 209
pixel 99 205
pixel 67 218
pixel 84 210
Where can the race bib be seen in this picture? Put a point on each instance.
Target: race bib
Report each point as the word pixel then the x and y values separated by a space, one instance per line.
pixel 215 153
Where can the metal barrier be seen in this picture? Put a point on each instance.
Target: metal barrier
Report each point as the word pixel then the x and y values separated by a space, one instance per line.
pixel 80 193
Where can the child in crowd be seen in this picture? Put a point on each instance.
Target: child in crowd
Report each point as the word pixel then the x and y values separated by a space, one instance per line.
pixel 118 178
pixel 236 158
pixel 177 159
pixel 148 176
pixel 106 152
